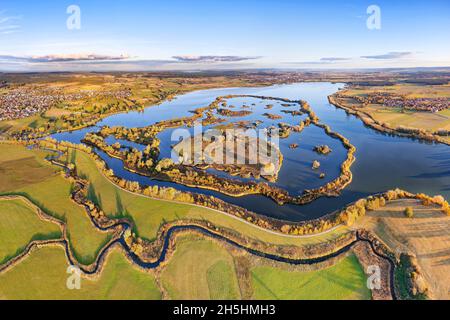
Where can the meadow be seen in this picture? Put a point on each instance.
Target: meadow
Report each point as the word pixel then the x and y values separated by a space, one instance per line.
pixel 200 269
pixel 204 269
pixel 343 281
pixel 43 276
pixel 20 224
pixel 25 172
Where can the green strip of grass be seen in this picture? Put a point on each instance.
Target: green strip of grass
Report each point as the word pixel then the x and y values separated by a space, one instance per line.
pixel 343 281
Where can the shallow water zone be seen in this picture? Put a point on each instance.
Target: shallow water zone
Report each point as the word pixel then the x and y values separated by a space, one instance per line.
pixel 382 162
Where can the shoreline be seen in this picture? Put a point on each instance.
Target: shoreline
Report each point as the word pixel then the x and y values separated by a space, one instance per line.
pixel 280 196
pixel 141 109
pixel 382 127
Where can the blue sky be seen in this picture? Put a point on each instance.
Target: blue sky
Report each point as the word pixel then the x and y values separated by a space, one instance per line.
pixel 197 34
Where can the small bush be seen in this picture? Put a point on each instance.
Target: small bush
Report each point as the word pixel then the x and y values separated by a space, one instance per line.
pixel 409 212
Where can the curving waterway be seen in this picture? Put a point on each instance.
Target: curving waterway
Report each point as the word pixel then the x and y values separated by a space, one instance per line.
pixel 382 162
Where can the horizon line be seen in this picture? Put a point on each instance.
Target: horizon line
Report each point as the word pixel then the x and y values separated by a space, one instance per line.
pixel 230 70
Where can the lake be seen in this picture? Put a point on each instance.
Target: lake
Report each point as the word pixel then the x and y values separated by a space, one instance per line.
pixel 383 162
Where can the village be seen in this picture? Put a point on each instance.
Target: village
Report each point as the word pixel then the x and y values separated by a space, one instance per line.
pixel 399 101
pixel 24 101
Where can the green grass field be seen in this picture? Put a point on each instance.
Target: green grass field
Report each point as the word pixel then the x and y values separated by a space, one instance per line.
pixel 422 120
pixel 52 193
pixel 19 225
pixel 221 281
pixel 43 275
pixel 203 269
pixel 200 269
pixel 343 281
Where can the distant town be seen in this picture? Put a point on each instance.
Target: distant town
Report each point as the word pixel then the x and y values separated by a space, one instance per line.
pixel 398 101
pixel 25 102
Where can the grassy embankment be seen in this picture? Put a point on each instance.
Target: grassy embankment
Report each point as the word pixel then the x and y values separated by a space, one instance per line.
pixel 25 172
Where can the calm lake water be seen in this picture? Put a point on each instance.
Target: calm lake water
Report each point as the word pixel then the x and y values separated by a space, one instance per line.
pixel 382 162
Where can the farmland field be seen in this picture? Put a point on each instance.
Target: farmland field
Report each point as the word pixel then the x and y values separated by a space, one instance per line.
pixel 426 234
pixel 396 116
pixel 200 269
pixel 43 275
pixel 343 281
pixel 38 181
pixel 19 224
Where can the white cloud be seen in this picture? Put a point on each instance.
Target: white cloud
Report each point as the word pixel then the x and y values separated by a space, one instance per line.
pixel 213 58
pixel 8 24
pixel 389 56
pixel 76 57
